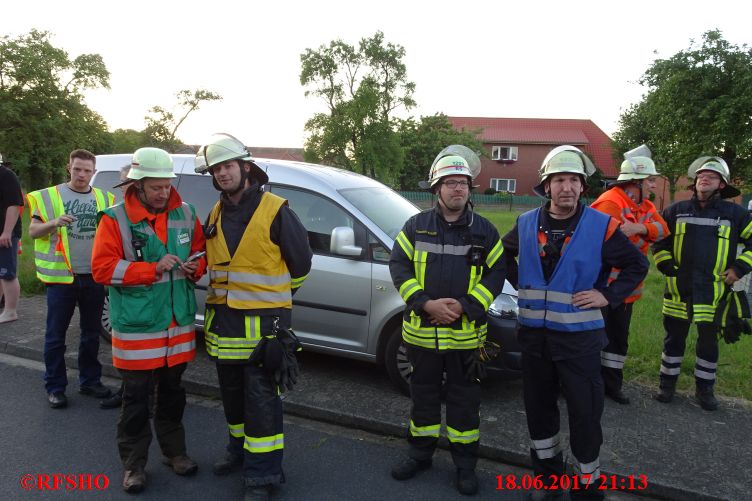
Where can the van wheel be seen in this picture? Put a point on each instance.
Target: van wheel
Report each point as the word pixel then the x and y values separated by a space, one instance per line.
pixel 397 365
pixel 105 326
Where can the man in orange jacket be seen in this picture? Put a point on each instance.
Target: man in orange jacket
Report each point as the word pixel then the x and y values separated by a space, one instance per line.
pixel 627 201
pixel 141 251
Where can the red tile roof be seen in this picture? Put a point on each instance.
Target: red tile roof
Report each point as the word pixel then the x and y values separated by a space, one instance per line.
pixel 554 131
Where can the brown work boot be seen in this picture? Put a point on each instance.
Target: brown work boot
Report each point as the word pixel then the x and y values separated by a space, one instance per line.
pixel 182 465
pixel 134 480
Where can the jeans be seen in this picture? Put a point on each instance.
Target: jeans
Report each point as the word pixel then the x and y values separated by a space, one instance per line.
pixel 61 303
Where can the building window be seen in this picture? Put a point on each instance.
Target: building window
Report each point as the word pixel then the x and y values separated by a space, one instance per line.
pixel 508 185
pixel 504 153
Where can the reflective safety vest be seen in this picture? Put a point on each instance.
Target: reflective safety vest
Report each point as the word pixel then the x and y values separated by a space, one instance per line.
pixel 255 277
pixel 153 325
pixel 51 251
pixel 646 214
pixel 549 304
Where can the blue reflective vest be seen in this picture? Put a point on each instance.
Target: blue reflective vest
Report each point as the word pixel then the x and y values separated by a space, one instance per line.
pixel 549 304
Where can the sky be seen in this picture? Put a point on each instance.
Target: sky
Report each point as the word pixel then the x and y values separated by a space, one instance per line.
pixel 526 59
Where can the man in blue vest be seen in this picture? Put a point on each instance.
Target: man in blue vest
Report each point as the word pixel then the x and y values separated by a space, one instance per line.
pixel 565 252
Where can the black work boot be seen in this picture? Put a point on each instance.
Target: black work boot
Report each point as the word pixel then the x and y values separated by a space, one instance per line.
pixel 407 468
pixel 618 396
pixel 705 396
pixel 467 481
pixel 229 463
pixel 666 388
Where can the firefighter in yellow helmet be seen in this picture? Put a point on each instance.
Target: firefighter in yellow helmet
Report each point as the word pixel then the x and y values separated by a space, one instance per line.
pixel 700 264
pixel 258 257
pixel 448 267
pixel 627 201
pixel 565 252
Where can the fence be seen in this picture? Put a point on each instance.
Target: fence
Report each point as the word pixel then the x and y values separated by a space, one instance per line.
pixel 499 201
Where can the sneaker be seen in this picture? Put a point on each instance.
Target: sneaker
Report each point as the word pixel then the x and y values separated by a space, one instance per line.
pixel 97 390
pixel 57 399
pixel 409 467
pixel 182 465
pixel 467 482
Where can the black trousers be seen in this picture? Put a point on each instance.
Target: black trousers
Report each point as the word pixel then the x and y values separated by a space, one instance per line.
pixel 462 406
pixel 582 385
pixel 614 355
pixel 133 428
pixel 254 416
pixel 675 343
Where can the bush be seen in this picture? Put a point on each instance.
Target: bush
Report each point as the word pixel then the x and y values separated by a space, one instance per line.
pixel 489 191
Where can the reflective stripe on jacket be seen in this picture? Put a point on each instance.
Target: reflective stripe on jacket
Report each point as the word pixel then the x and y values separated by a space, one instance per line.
pixel 153 325
pixel 549 304
pixel 51 251
pixel 644 213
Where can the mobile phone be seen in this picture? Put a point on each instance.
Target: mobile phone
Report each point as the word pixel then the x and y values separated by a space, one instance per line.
pixel 195 256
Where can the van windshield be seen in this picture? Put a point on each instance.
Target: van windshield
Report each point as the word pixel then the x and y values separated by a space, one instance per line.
pixel 387 209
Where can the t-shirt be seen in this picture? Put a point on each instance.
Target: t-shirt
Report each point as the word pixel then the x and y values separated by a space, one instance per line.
pixel 81 231
pixel 10 194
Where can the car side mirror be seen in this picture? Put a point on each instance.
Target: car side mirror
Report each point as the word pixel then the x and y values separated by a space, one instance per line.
pixel 343 242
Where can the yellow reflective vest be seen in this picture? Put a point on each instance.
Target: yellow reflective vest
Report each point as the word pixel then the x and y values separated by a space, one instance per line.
pixel 51 251
pixel 256 276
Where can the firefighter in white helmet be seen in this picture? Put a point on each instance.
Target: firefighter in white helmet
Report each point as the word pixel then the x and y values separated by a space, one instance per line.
pixel 141 251
pixel 258 255
pixel 447 265
pixel 699 260
pixel 565 252
pixel 627 201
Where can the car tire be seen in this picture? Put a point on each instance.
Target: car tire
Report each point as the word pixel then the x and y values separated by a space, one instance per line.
pixel 398 367
pixel 105 326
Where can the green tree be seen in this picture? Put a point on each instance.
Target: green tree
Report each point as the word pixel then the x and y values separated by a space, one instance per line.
pixel 127 140
pixel 362 88
pixel 162 125
pixel 422 140
pixel 42 112
pixel 698 102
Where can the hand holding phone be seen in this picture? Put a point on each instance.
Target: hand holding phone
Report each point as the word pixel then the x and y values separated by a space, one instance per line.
pixel 195 256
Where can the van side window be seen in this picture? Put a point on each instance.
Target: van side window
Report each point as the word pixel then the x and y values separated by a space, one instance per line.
pixel 319 216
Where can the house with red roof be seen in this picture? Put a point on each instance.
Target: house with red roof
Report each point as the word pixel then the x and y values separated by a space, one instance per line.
pixel 516 147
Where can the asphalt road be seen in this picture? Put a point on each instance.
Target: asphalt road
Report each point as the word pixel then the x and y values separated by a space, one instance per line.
pixel 322 462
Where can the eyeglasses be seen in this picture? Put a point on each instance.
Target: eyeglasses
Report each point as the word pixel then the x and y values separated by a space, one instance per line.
pixel 452 184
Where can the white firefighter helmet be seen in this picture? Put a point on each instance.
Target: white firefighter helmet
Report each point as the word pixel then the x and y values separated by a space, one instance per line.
pixel 221 148
pixel 453 160
pixel 149 163
pixel 715 164
pixel 564 159
pixel 636 168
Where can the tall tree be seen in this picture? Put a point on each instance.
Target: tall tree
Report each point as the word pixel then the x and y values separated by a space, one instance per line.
pixel 42 112
pixel 162 125
pixel 362 88
pixel 422 140
pixel 698 102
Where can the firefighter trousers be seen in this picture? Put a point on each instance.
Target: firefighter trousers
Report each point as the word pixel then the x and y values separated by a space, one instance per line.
pixel 253 411
pixel 133 428
pixel 462 406
pixel 582 385
pixel 614 354
pixel 674 344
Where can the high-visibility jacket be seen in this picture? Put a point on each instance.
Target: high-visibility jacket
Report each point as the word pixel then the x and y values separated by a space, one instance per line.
pixel 617 203
pixel 255 277
pixel 152 314
pixel 51 252
pixel 702 245
pixel 548 304
pixel 434 259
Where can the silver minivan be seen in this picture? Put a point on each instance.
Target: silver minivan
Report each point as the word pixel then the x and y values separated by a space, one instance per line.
pixel 347 306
